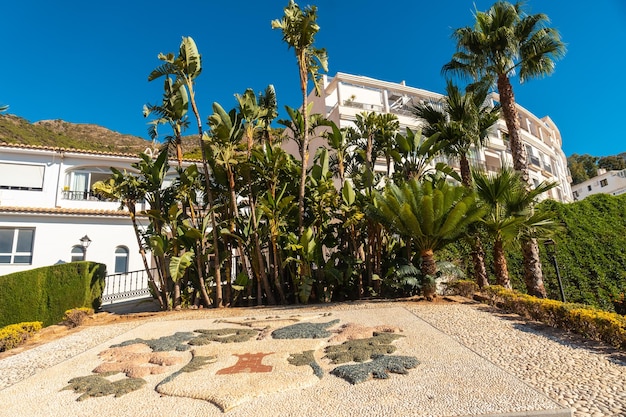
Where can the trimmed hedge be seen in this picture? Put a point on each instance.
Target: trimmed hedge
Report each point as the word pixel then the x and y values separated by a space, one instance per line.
pixel 585 320
pixel 44 294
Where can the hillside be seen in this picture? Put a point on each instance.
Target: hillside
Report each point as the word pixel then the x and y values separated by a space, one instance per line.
pixel 57 133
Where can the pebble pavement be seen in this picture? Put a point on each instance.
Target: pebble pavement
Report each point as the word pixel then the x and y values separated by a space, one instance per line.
pixel 589 378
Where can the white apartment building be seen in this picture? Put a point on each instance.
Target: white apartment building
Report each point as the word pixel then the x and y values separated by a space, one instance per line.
pixel 46 207
pixel 344 96
pixel 606 182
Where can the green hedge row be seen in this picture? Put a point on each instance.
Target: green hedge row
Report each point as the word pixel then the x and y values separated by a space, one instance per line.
pixel 44 294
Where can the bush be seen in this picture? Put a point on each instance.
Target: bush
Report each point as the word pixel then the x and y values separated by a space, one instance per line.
pixel 44 294
pixel 15 334
pixel 462 287
pixel 76 316
pixel 585 320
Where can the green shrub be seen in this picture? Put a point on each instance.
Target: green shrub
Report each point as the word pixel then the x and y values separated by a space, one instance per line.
pixel 462 287
pixel 44 294
pixel 577 318
pixel 15 334
pixel 76 316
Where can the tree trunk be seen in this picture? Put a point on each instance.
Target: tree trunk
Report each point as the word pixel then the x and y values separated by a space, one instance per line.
pixel 429 270
pixel 478 259
pixel 500 265
pixel 304 150
pixel 209 194
pixel 142 252
pixel 466 173
pixel 533 275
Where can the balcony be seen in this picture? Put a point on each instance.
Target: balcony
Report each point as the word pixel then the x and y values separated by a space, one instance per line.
pixel 81 196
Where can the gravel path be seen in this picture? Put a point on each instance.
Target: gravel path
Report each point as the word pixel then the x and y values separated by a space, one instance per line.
pixel 589 378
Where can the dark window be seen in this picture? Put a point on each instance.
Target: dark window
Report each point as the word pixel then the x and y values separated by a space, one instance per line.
pixel 16 246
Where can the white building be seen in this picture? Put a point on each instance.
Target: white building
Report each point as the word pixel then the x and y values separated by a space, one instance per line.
pixel 46 208
pixel 344 96
pixel 606 182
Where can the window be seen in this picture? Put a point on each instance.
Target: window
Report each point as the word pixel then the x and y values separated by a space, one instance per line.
pixel 21 177
pixel 604 182
pixel 16 246
pixel 78 183
pixel 589 188
pixel 121 259
pixel 575 194
pixel 78 253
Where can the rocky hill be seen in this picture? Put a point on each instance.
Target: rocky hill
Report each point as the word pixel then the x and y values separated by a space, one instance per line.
pixel 58 133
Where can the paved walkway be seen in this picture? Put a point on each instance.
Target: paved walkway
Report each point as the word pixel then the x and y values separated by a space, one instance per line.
pixel 448 360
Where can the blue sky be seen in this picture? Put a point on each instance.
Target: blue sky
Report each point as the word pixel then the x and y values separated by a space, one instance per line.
pixel 88 62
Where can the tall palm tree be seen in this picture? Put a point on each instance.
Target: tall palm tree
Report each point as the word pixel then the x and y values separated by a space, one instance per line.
pixel 299 28
pixel 503 41
pixel 429 215
pixel 510 217
pixel 463 121
pixel 185 68
pixel 173 111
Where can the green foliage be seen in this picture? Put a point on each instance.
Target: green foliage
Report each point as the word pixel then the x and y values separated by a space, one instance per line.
pixel 14 335
pixel 582 167
pixel 590 250
pixel 44 294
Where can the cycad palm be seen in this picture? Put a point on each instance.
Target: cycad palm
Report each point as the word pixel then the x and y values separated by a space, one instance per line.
pixel 503 41
pixel 429 216
pixel 510 217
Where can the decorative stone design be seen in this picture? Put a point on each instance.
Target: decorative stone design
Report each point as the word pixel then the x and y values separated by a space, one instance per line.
pixel 137 360
pixel 360 350
pixel 177 341
pixel 378 368
pixel 305 331
pixel 351 331
pixel 222 336
pixel 306 358
pixel 247 363
pixel 100 386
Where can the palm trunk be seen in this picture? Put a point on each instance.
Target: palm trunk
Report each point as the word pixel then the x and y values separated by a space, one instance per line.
pixel 478 260
pixel 209 194
pixel 304 150
pixel 533 275
pixel 478 253
pixel 500 265
pixel 428 269
pixel 142 252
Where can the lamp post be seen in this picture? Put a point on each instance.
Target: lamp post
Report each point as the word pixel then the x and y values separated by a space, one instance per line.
pixel 85 242
pixel 551 250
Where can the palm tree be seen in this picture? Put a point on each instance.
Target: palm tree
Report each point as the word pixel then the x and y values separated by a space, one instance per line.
pixel 428 215
pixel 185 68
pixel 127 189
pixel 173 111
pixel 463 121
pixel 510 217
pixel 503 41
pixel 299 28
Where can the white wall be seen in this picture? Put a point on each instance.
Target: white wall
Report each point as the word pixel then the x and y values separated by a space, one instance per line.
pixel 56 235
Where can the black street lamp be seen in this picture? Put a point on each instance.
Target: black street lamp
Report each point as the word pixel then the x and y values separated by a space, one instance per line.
pixel 551 250
pixel 85 242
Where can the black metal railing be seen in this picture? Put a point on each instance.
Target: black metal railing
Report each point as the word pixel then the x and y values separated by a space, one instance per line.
pixel 126 286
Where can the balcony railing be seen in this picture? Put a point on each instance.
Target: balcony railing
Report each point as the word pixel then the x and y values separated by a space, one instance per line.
pixel 126 286
pixel 80 195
